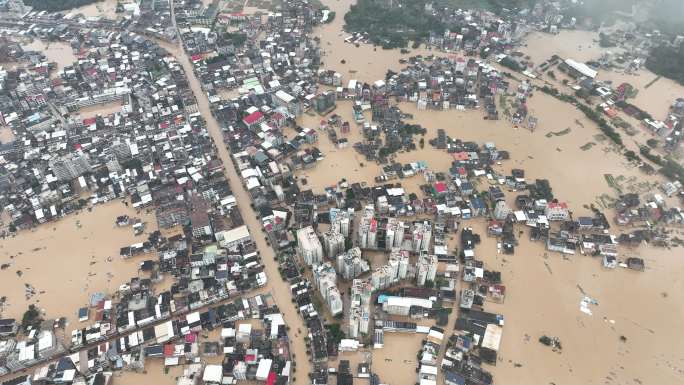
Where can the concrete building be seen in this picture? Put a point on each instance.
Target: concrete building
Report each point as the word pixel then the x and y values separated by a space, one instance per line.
pixel 402 258
pixel 113 164
pixel 71 166
pixel 421 236
pixel 233 237
pixel 240 371
pixel 325 278
pixel 288 102
pixel 381 278
pixel 396 269
pixel 359 308
pixel 368 229
pixel 394 233
pixel 426 268
pixel 402 305
pixel 333 242
pixel 340 220
pixel 121 149
pixel 557 211
pixel 335 304
pixel 325 102
pixel 501 210
pixel 350 264
pixel 309 246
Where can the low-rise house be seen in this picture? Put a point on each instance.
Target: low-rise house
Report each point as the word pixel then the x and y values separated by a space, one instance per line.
pixel 556 211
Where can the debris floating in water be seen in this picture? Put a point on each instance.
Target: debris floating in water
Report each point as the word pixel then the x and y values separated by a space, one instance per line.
pixel 585 303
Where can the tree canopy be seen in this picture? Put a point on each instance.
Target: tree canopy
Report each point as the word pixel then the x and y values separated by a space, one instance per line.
pixel 667 61
pixel 392 27
pixel 57 5
pixel 496 6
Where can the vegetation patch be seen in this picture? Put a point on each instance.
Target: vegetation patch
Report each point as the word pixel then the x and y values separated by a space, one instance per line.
pixel 667 61
pixel 588 146
pixel 612 183
pixel 393 27
pixel 558 133
pixel 590 113
pixel 57 5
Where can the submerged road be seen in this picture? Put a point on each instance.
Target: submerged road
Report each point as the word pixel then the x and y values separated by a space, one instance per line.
pixel 279 288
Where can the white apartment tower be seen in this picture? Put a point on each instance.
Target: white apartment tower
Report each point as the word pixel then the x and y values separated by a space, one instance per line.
pixel 71 166
pixel 309 246
pixel 381 278
pixel 350 264
pixel 426 268
pixel 333 242
pixel 368 229
pixel 396 269
pixel 340 220
pixel 394 234
pixel 402 258
pixel 359 308
pixel 421 236
pixel 325 278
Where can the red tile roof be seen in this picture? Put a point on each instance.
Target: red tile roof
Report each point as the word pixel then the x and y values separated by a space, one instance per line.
pixel 270 380
pixel 440 187
pixel 554 205
pixel 168 350
pixel 253 117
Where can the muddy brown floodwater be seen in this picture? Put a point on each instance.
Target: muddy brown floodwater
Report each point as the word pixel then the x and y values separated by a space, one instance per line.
pixel 100 109
pixel 155 373
pixel 105 9
pixel 568 44
pixel 543 290
pixel 560 159
pixel 656 99
pixel 56 51
pixel 6 135
pixel 279 289
pixel 68 260
pixel 583 46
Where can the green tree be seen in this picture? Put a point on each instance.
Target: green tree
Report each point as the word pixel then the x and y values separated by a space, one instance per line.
pixel 667 61
pixel 336 333
pixel 393 27
pixel 57 5
pixel 31 317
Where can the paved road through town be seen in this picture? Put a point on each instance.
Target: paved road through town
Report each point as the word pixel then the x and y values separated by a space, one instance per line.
pixel 276 286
